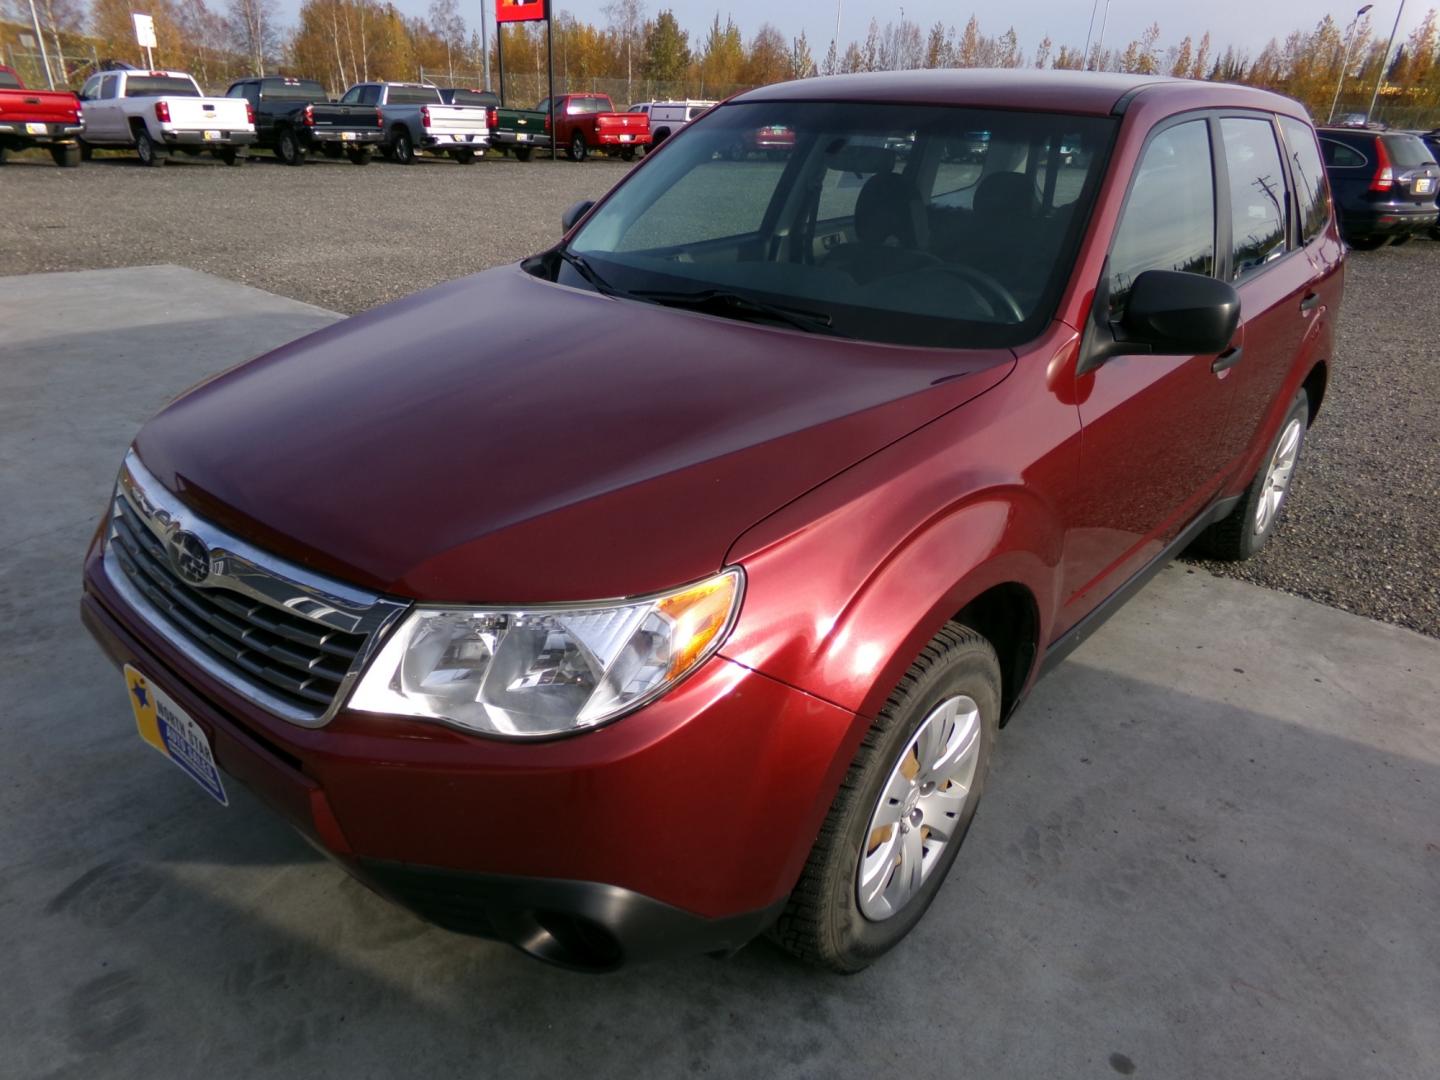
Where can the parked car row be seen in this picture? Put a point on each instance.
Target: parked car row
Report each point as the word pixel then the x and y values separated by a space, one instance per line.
pixel 160 113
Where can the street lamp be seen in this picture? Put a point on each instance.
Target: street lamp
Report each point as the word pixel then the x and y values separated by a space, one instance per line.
pixel 1384 62
pixel 1345 63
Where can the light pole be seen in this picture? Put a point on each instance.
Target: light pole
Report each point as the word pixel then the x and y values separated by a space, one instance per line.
pixel 1100 41
pixel 1384 62
pixel 1345 63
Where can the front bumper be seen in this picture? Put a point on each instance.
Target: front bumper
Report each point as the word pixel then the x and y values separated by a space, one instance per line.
pixel 681 828
pixel 18 131
pixel 197 138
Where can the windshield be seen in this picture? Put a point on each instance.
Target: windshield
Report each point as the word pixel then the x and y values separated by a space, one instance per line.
pixel 292 91
pixel 160 86
pixel 923 225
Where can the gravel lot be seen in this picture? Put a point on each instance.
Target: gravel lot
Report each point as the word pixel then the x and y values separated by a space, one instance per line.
pixel 1362 523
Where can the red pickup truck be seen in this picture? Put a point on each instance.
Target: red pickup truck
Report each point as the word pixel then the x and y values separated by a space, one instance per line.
pixel 49 118
pixel 583 122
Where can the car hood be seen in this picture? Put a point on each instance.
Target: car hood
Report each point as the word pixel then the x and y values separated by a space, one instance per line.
pixel 506 439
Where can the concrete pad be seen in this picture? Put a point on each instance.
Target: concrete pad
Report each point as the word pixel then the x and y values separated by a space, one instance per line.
pixel 1209 848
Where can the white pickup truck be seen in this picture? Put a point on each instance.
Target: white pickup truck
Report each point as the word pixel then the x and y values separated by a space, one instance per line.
pixel 416 119
pixel 158 112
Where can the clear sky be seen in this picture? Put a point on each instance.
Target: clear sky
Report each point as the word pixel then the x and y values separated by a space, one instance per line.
pixel 1246 24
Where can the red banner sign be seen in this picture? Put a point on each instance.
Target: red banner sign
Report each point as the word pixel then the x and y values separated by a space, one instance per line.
pixel 519 10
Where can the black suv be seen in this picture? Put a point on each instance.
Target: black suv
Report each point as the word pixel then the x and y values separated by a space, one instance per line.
pixel 1384 182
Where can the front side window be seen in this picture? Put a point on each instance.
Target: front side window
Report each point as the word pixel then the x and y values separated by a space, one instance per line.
pixel 874 223
pixel 1257 195
pixel 91 90
pixel 1169 218
pixel 1311 195
pixel 109 86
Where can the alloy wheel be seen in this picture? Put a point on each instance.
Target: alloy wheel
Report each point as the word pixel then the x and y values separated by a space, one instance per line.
pixel 1277 476
pixel 920 808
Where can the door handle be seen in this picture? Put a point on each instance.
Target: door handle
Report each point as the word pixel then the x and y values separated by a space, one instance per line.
pixel 1310 302
pixel 1227 359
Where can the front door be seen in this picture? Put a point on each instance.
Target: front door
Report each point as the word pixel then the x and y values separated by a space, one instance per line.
pixel 1154 427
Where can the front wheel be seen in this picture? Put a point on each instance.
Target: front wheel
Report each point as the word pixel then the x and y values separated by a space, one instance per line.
pixel 359 155
pixel 231 156
pixel 578 150
pixel 1245 530
pixel 67 157
pixel 145 148
pixel 522 153
pixel 902 810
pixel 627 154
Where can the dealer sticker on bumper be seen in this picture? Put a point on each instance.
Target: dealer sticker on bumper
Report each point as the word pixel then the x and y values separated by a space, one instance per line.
pixel 164 725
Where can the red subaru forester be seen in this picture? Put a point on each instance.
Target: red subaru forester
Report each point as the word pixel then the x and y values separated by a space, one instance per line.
pixel 672 585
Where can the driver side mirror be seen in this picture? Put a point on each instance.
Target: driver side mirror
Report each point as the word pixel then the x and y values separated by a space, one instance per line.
pixel 1168 313
pixel 575 213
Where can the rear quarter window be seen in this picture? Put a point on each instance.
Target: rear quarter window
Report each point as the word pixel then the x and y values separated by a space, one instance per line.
pixel 9 81
pixel 1311 197
pixel 1340 156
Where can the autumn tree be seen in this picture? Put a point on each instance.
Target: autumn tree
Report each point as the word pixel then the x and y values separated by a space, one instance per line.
pixel 802 64
pixel 255 31
pixel 768 59
pixel 723 55
pixel 667 49
pixel 627 23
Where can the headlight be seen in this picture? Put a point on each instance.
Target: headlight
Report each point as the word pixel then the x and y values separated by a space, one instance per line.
pixel 546 670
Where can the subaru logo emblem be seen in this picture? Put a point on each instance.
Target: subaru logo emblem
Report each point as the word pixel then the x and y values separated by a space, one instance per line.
pixel 190 557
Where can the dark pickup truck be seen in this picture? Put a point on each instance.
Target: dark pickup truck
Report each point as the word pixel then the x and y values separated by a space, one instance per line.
pixel 48 118
pixel 295 116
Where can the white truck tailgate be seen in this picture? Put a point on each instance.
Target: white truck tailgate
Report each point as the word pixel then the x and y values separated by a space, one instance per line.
pixel 204 114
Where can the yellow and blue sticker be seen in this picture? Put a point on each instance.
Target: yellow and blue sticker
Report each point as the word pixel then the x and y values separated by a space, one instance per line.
pixel 166 727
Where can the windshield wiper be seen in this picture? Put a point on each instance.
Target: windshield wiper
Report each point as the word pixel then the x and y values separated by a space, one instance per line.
pixel 586 271
pixel 739 306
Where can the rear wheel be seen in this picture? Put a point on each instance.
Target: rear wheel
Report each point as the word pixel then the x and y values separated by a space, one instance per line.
pixel 288 148
pixel 578 150
pixel 1404 238
pixel 522 153
pixel 1245 530
pixel 86 151
pixel 4 154
pixel 66 156
pixel 402 148
pixel 1367 243
pixel 902 810
pixel 149 153
pixel 359 155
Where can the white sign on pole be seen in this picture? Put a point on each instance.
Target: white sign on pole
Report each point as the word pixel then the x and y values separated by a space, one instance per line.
pixel 144 30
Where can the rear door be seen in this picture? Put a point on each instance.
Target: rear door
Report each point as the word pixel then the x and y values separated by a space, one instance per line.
pixel 1154 443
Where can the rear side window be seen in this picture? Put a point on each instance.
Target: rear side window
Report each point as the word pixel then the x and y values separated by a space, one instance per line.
pixel 413 95
pixel 9 80
pixel 1257 195
pixel 1169 218
pixel 1309 177
pixel 1340 156
pixel 1407 151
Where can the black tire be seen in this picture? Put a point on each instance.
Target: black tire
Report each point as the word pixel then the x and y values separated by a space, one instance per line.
pixel 523 153
pixel 4 155
pixel 402 149
pixel 359 155
pixel 333 151
pixel 1240 535
pixel 232 156
pixel 67 156
pixel 822 923
pixel 1402 239
pixel 150 154
pixel 627 154
pixel 87 152
pixel 1367 243
pixel 578 150
pixel 656 138
pixel 464 157
pixel 288 148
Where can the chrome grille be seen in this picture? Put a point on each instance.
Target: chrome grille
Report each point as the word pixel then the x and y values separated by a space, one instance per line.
pixel 274 632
